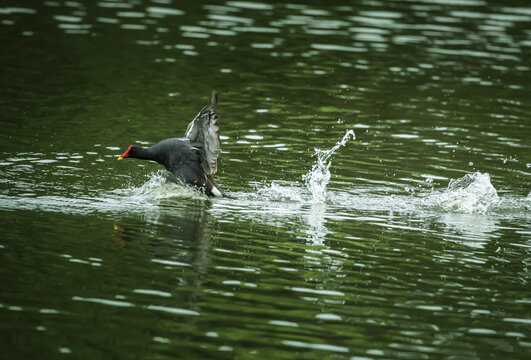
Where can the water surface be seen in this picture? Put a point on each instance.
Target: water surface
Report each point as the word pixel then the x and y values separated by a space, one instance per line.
pixel 378 153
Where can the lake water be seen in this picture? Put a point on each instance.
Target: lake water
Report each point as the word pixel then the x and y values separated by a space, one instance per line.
pixel 378 152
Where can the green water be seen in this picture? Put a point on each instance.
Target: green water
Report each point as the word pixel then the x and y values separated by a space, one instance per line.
pixel 103 259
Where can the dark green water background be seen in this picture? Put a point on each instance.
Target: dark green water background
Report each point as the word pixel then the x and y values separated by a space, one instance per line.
pixel 101 259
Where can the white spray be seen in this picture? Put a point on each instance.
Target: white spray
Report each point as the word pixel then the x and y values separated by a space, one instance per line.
pixel 317 179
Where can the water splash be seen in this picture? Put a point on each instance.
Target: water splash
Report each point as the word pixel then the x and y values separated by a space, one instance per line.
pixel 280 191
pixel 317 179
pixel 157 188
pixel 471 194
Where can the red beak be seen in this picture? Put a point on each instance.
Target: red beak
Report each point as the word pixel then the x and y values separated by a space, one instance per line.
pixel 126 153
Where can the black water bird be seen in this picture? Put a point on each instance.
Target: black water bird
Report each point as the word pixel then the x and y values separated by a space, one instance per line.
pixel 190 160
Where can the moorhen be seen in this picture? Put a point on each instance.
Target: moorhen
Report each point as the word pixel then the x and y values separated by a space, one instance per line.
pixel 190 160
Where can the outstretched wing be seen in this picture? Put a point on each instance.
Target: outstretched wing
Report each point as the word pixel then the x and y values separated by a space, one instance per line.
pixel 203 133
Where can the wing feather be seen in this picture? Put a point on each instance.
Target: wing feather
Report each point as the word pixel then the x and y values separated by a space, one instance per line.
pixel 203 133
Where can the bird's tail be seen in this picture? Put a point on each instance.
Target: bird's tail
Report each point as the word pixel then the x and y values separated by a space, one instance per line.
pixel 214 99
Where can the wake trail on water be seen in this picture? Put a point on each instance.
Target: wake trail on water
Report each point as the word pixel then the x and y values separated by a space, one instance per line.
pixel 471 194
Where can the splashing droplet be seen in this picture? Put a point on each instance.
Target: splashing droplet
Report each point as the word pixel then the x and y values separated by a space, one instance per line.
pixel 317 179
pixel 472 194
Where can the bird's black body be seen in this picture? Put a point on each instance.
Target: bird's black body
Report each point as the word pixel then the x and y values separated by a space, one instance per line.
pixel 180 158
pixel 190 160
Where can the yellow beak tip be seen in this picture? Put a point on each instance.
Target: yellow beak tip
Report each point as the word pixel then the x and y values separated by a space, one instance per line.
pixel 120 158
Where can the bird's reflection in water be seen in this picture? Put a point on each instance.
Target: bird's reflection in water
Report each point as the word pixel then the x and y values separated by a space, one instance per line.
pixel 177 234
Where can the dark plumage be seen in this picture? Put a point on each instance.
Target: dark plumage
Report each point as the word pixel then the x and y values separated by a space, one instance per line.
pixel 190 160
